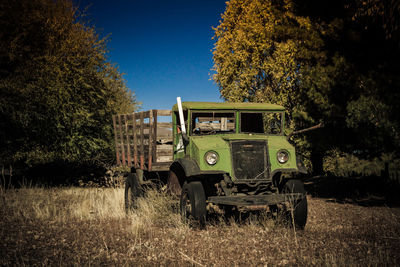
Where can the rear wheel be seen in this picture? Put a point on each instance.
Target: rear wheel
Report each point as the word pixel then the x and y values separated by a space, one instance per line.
pixel 296 210
pixel 193 203
pixel 133 190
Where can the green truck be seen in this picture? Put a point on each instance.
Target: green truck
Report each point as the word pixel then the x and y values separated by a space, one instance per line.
pixel 231 155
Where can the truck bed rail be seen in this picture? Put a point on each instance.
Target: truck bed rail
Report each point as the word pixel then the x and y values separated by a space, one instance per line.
pixel 141 141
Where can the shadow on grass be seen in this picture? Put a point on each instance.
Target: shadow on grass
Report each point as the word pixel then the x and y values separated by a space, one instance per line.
pixel 363 191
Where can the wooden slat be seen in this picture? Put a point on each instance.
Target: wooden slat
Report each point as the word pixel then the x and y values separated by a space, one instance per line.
pixel 116 140
pixel 224 124
pixel 164 159
pixel 164 135
pixel 164 124
pixel 203 119
pixel 163 154
pixel 128 147
pixel 129 116
pixel 135 148
pixel 146 114
pixel 154 144
pixel 146 125
pixel 164 132
pixel 208 126
pixel 164 112
pixel 151 138
pixel 162 166
pixel 164 147
pixel 141 141
pixel 164 151
pixel 160 148
pixel 122 140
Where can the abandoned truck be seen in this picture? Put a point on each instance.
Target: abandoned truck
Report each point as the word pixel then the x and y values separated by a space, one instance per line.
pixel 234 156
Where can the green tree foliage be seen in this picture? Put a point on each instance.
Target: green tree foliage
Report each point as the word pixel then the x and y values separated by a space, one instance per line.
pixel 58 90
pixel 325 61
pixel 386 14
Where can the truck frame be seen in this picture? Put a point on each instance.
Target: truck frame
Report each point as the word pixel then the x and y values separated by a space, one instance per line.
pixel 232 155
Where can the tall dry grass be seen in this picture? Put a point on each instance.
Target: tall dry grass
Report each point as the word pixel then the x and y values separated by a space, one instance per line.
pixel 64 204
pixel 88 226
pixel 74 203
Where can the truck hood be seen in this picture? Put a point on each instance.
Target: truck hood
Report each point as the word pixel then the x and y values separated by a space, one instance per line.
pixel 210 142
pixel 216 142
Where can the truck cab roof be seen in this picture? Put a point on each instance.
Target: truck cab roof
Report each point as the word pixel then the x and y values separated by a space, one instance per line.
pixel 228 106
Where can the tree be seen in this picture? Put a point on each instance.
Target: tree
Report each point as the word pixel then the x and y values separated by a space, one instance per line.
pixel 265 52
pixel 319 61
pixel 58 90
pixel 385 14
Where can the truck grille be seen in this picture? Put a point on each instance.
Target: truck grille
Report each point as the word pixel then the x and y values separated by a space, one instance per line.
pixel 250 160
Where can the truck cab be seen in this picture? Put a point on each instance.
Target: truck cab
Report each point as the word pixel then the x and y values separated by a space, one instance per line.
pixel 243 140
pixel 238 153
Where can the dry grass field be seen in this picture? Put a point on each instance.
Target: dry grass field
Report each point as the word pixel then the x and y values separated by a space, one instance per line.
pixel 88 226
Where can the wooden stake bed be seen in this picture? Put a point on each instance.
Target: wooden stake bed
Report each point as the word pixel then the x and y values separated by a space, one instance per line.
pixel 143 142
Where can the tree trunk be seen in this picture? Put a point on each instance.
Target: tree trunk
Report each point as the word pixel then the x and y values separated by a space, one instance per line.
pixel 317 162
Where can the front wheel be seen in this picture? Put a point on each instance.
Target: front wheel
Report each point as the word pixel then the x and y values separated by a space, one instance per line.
pixel 193 203
pixel 296 209
pixel 133 190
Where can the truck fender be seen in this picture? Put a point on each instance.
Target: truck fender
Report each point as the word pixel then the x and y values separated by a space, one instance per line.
pixel 189 166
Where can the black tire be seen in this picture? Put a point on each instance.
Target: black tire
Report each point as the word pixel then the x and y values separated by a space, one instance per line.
pixel 300 209
pixel 193 203
pixel 133 190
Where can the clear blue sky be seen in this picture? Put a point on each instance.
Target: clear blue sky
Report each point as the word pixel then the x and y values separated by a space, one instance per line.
pixel 162 46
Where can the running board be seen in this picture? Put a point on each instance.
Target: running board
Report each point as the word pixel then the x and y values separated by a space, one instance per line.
pixel 258 200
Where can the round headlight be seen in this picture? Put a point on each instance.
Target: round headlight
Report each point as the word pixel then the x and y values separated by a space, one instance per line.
pixel 211 157
pixel 282 156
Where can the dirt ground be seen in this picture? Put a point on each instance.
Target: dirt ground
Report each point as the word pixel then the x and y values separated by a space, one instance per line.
pixel 86 226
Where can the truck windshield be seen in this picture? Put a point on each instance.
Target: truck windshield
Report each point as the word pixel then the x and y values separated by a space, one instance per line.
pixel 213 122
pixel 261 122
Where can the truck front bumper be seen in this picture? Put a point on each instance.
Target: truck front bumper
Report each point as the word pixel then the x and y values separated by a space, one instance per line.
pixel 256 201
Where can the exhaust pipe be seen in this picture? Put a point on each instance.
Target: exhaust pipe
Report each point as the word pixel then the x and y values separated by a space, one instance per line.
pixel 185 138
pixel 181 118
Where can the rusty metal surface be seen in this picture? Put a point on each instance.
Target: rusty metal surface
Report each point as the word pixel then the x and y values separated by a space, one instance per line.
pixel 258 200
pixel 256 207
